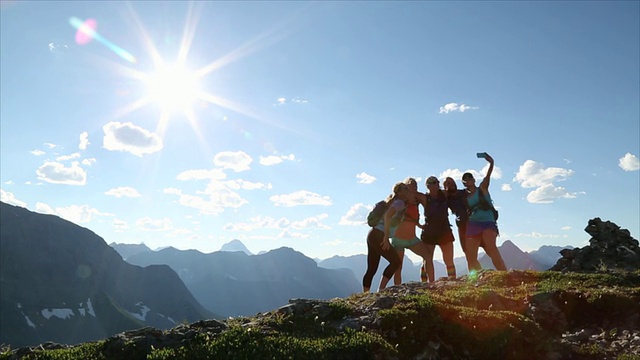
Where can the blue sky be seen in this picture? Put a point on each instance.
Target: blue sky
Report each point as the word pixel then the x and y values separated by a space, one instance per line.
pixel 282 123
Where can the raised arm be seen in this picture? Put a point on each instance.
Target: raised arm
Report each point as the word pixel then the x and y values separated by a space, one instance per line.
pixel 484 185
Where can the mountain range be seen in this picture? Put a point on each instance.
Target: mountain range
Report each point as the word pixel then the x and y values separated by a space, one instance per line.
pixel 60 282
pixel 232 283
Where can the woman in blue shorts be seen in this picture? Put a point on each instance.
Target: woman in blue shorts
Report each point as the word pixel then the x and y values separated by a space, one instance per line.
pixel 482 226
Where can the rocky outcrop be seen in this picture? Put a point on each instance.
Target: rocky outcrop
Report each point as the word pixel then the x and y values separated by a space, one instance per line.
pixel 610 248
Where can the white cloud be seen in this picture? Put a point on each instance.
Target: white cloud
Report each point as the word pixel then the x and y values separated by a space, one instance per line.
pixel 216 198
pixel 548 193
pixel 50 145
pixel 281 101
pixel 537 235
pixel 454 107
pixel 68 157
pixel 456 174
pixel 301 197
pixel 275 159
pixel 84 141
pixel 88 162
pixel 130 138
pixel 365 178
pixel 629 162
pixel 9 198
pixel 314 222
pixel 236 161
pixel 37 152
pixel 79 213
pixel 246 185
pixel 57 173
pixel 149 224
pixel 533 174
pixel 506 187
pixel 123 191
pixel 53 47
pixel 565 228
pixel 356 215
pixel 43 208
pixel 259 222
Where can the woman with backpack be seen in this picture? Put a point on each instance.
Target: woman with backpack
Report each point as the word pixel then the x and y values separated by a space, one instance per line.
pixel 401 227
pixel 482 227
pixel 378 245
pixel 437 229
pixel 411 221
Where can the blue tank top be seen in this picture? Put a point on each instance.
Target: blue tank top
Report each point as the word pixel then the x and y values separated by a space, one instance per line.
pixel 478 214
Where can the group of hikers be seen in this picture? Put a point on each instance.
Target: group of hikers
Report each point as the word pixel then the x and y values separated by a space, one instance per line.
pixel 394 220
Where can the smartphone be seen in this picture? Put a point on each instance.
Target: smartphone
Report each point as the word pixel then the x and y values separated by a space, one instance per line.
pixel 481 155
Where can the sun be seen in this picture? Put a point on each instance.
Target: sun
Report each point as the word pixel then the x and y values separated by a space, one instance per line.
pixel 173 87
pixel 177 90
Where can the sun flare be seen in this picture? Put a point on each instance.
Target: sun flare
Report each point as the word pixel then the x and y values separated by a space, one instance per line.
pixel 174 88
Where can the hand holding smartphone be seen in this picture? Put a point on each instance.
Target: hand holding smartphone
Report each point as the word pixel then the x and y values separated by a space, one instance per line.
pixel 481 155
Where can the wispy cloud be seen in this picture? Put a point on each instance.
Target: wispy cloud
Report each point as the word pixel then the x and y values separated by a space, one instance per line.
pixel 314 222
pixel 629 162
pixel 37 152
pixel 301 197
pixel 246 185
pixel 283 101
pixel 123 191
pixel 275 159
pixel 455 107
pixel 57 173
pixel 130 138
pixel 149 224
pixel 202 174
pixel 68 157
pixel 537 235
pixel 364 178
pixel 506 187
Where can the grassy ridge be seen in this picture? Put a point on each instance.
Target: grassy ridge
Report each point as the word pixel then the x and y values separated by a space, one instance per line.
pixel 490 315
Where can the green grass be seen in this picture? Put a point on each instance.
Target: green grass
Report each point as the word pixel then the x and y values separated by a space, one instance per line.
pixel 484 317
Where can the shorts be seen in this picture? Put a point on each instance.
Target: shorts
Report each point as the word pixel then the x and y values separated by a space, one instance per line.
pixel 431 237
pixel 400 244
pixel 475 228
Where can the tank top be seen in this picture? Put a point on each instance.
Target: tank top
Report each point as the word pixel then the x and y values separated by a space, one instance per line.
pixel 478 214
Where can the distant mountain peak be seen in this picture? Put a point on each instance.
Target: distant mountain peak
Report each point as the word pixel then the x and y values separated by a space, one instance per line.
pixel 235 245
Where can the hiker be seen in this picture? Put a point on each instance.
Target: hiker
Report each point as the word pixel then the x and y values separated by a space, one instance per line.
pixel 403 233
pixel 482 228
pixel 437 229
pixel 378 246
pixel 458 206
pixel 412 217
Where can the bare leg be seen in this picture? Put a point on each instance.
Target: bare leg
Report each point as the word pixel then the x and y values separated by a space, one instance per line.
pixel 426 253
pixel 447 256
pixel 397 277
pixel 472 253
pixel 489 237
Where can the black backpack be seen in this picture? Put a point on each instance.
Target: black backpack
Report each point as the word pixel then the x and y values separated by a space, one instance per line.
pixel 484 204
pixel 377 213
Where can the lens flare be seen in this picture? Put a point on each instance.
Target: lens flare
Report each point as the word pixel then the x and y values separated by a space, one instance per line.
pixel 87 32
